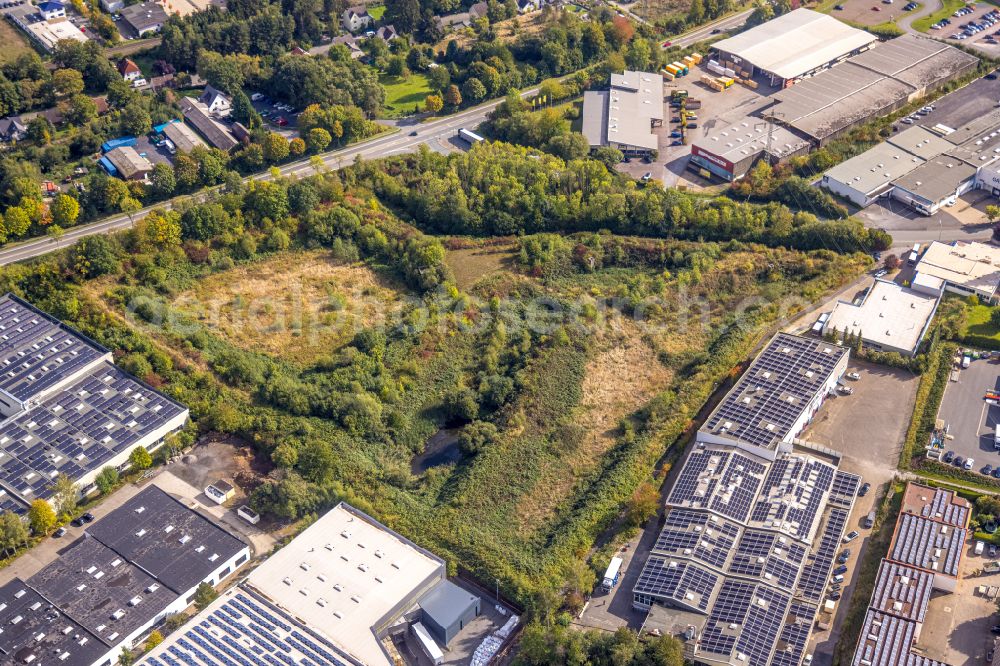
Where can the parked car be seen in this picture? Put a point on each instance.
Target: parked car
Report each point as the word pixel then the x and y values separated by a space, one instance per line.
pixel 280 121
pixel 959 461
pixel 59 532
pixel 77 522
pixel 844 556
pixel 845 390
pixel 863 490
pixel 88 517
pixel 675 134
pixel 842 569
pixel 969 462
pixel 853 375
pixel 833 596
pixel 948 457
pixel 647 176
pixel 987 470
pixel 851 536
pixel 839 8
pixel 993 551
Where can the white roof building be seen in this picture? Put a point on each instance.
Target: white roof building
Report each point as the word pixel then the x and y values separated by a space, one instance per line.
pixel 795 44
pixel 890 318
pixel 964 268
pixel 349 578
pixel 623 117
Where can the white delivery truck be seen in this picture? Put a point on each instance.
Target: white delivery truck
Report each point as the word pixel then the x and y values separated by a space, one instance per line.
pixel 996 437
pixel 612 574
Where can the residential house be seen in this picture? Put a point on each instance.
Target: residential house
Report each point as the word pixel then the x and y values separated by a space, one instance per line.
pixel 129 70
pixel 356 18
pixel 386 33
pixel 12 129
pixel 51 10
pixel 478 10
pixel 216 101
pixel 526 6
pixel 351 42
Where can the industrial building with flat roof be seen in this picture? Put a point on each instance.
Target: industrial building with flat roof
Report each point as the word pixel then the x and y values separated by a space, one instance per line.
pixel 128 163
pixel 623 117
pixel 198 115
pixel 889 317
pixel 869 85
pixel 745 552
pixel 777 395
pixel 66 409
pixel 335 595
pixel 961 267
pixel 730 152
pixel 182 136
pixel 107 590
pixel 910 573
pixel 794 45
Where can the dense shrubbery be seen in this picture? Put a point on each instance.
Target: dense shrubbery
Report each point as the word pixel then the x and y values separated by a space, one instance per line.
pixel 499 189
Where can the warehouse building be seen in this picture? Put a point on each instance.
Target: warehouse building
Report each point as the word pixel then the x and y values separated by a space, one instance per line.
pixel 198 115
pixel 777 396
pixel 902 592
pixel 746 552
pixel 792 46
pixel 623 117
pixel 961 268
pixel 143 18
pixel 104 593
pixel 729 153
pixel 66 408
pixel 865 178
pixel 869 85
pixel 126 163
pixel 890 317
pixel 935 183
pixel 182 136
pixel 337 594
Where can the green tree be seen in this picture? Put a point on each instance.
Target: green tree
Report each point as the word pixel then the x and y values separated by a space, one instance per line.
pixel 41 517
pixel 154 639
pixel 134 120
pixel 403 14
pixel 396 67
pixel 204 595
pixel 95 256
pixel 65 495
pixel 317 139
pixel 992 213
pixel 65 209
pixel 126 658
pixel 296 147
pixel 275 147
pixel 243 111
pixel 13 532
pixel 453 96
pixel 473 90
pixel 163 180
pixel 107 479
pixel 433 103
pixel 80 110
pixel 140 458
pixel 66 82
pixel 477 436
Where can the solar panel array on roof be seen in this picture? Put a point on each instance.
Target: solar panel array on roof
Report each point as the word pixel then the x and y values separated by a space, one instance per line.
pixel 814 576
pixel 776 390
pixel 244 628
pixel 902 591
pixel 793 493
pixel 686 583
pixel 887 641
pixel 745 619
pixel 794 635
pixel 763 554
pixel 697 535
pixel 928 544
pixel 725 482
pixel 37 351
pixel 943 509
pixel 844 489
pixel 78 429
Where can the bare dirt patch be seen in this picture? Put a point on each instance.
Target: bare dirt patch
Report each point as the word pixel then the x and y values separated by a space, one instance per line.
pixel 623 375
pixel 296 305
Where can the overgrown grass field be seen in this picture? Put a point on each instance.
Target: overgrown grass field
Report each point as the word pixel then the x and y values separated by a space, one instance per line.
pixel 402 94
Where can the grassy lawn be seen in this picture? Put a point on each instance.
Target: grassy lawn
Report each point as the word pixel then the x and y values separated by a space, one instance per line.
pixel 924 24
pixel 979 329
pixel 377 12
pixel 402 94
pixel 14 43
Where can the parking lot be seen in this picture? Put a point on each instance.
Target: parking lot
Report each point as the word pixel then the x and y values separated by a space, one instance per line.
pixel 976 25
pixel 970 421
pixel 279 117
pixel 871 12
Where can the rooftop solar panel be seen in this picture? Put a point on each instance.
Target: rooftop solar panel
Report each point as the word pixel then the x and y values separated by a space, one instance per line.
pixel 775 390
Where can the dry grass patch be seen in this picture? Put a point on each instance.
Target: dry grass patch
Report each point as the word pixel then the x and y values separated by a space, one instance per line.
pixel 298 306
pixel 621 377
pixel 527 24
pixel 471 264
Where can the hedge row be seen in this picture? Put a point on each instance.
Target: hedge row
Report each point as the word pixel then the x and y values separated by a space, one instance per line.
pixel 925 406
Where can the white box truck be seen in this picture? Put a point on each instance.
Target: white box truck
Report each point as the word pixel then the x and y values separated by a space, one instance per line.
pixel 612 574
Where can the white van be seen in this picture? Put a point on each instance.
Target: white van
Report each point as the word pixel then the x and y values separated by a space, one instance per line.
pixel 979 548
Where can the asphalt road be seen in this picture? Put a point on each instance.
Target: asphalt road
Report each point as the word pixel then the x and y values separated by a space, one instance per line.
pixel 381 146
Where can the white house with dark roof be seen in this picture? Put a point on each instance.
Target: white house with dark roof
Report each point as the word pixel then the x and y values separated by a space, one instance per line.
pixel 356 18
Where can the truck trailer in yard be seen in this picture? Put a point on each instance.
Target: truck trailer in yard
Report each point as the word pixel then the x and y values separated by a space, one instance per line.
pixel 612 574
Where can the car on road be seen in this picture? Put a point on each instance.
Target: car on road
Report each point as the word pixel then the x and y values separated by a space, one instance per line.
pixel 969 462
pixel 853 375
pixel 851 536
pixel 677 142
pixel 59 532
pixel 948 457
pixel 413 133
pixel 907 121
pixel 667 45
pixel 863 490
pixel 844 556
pixel 876 9
pixel 716 31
